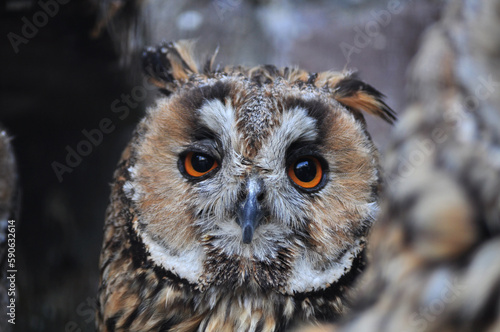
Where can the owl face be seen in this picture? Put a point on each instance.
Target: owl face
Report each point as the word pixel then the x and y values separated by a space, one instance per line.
pixel 260 179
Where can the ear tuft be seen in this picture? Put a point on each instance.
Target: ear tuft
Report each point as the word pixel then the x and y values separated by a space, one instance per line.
pixel 168 65
pixel 359 96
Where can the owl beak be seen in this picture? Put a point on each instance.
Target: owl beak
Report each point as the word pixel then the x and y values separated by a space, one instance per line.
pixel 250 210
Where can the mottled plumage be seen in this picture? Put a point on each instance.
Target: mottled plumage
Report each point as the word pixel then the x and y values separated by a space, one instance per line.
pixel 243 200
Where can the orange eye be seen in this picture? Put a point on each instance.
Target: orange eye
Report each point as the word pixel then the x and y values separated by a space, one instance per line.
pixel 306 172
pixel 198 164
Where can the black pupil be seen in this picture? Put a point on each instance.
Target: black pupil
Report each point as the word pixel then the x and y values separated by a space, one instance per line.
pixel 202 163
pixel 305 170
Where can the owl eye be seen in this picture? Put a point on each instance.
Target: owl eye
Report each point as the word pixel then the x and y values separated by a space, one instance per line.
pixel 306 172
pixel 198 164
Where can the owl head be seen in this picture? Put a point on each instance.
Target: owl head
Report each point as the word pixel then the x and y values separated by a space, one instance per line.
pixel 260 178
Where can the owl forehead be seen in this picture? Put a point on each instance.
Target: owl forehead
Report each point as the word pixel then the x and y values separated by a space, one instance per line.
pixel 246 114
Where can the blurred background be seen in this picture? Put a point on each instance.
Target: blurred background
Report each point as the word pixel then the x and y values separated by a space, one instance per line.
pixel 69 66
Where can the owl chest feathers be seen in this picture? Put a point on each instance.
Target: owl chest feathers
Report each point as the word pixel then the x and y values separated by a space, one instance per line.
pixel 147 297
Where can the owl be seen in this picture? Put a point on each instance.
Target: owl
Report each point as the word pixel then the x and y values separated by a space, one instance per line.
pixel 243 200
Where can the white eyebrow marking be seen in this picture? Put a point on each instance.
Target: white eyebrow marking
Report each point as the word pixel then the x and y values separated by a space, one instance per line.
pixel 220 119
pixel 295 125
